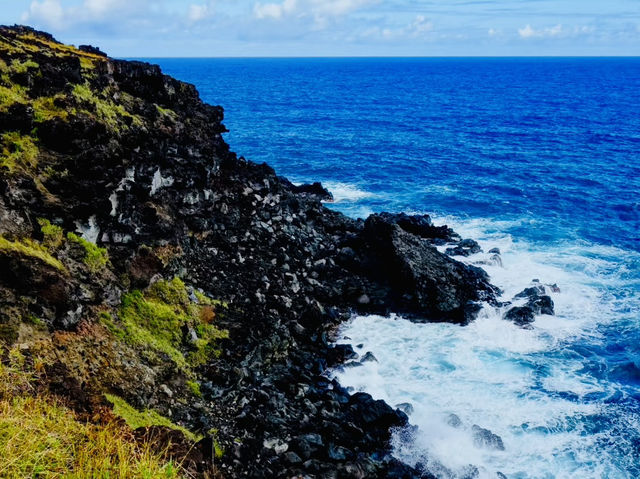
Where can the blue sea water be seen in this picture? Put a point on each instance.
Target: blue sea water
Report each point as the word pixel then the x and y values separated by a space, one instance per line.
pixel 539 157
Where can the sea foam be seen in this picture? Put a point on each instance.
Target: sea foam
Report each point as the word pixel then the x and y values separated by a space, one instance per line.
pixel 540 390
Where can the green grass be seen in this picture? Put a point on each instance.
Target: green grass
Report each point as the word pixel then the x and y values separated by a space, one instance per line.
pixel 95 258
pixel 19 66
pixel 136 419
pixel 154 321
pixel 40 437
pixel 45 109
pixel 30 248
pixel 11 94
pixel 18 152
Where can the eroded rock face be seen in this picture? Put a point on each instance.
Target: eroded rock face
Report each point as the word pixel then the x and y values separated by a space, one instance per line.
pixel 132 159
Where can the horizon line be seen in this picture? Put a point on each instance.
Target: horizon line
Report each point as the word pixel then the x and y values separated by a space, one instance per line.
pixel 284 57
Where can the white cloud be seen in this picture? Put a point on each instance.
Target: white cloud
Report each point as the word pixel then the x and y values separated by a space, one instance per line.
pixel 493 32
pixel 47 11
pixel 555 32
pixel 336 8
pixel 274 10
pixel 529 32
pixel 319 10
pixel 420 26
pixel 199 12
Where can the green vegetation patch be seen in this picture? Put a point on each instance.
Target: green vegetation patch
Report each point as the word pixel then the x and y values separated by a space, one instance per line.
pixel 157 319
pixel 136 419
pixel 18 152
pixel 11 93
pixel 95 258
pixel 33 249
pixel 40 437
pixel 53 236
pixel 114 116
pixel 20 66
pixel 45 108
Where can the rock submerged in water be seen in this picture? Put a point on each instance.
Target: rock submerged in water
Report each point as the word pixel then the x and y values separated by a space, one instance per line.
pixel 466 247
pixel 483 438
pixel 538 302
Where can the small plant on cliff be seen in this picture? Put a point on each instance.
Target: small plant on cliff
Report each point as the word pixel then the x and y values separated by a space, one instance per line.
pixel 53 236
pixel 19 66
pixel 18 152
pixel 95 258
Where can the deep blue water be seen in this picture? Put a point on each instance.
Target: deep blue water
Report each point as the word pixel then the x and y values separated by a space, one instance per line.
pixel 538 156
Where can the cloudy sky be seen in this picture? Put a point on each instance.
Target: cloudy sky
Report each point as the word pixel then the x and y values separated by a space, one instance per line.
pixel 210 28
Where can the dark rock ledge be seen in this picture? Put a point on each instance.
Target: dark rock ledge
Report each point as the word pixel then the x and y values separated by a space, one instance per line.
pixel 132 159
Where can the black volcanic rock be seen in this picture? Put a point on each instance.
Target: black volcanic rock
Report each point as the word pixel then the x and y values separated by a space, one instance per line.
pixel 419 279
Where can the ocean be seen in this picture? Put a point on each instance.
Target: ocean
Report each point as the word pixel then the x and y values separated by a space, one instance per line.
pixel 539 157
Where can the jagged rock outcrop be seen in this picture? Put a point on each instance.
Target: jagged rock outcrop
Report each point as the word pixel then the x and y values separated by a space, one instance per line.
pixel 115 179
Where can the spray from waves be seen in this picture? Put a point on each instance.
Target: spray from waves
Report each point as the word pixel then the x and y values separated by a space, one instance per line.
pixel 547 393
pixel 346 192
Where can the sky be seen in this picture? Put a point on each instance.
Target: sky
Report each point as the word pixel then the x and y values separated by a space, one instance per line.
pixel 248 28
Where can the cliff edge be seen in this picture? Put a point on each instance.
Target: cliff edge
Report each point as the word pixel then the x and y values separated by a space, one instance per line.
pixel 152 279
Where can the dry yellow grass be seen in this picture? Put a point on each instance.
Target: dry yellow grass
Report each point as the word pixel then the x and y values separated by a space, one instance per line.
pixel 41 437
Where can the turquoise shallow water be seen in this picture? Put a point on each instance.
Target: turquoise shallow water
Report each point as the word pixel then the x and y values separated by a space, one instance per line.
pixel 539 157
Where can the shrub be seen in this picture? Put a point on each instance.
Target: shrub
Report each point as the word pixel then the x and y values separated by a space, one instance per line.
pixel 53 236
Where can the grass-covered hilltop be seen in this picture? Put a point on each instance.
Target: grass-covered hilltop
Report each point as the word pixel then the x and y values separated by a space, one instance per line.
pixel 167 308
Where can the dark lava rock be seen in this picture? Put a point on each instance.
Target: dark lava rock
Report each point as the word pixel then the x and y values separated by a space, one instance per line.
pixel 466 247
pixel 92 49
pixel 405 407
pixel 369 357
pixel 315 189
pixel 421 279
pixel 520 315
pixel 420 225
pixel 484 438
pixel 454 421
pixel 538 302
pixel 542 305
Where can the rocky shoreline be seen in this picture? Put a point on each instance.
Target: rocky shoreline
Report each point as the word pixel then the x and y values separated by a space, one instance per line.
pixel 116 153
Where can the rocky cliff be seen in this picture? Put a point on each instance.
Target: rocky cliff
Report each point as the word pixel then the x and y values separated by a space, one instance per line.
pixel 145 267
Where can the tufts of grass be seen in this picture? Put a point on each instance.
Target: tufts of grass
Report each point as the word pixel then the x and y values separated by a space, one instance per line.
pixel 95 258
pixel 194 387
pixel 156 320
pixel 41 437
pixel 19 66
pixel 33 249
pixel 137 419
pixel 53 236
pixel 45 109
pixel 18 152
pixel 11 93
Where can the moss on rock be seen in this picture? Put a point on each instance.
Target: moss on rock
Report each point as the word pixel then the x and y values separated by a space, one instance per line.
pixel 163 320
pixel 30 248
